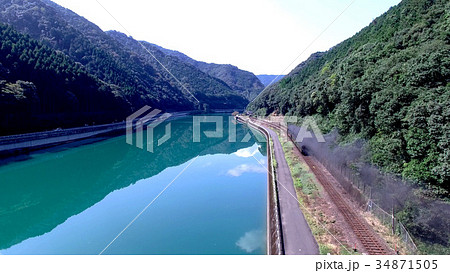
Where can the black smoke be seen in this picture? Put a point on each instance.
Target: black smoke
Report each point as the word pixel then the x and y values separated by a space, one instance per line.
pixel 426 219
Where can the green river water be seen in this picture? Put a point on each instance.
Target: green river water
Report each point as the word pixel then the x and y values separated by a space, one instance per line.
pixel 77 198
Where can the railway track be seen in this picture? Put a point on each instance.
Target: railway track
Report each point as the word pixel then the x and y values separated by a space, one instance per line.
pixel 365 234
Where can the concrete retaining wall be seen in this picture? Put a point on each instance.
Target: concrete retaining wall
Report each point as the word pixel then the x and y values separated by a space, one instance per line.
pixel 274 229
pixel 42 139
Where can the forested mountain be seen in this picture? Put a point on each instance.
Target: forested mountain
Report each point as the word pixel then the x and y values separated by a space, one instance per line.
pixel 40 87
pixel 269 79
pixel 117 69
pixel 215 92
pixel 87 44
pixel 388 84
pixel 243 82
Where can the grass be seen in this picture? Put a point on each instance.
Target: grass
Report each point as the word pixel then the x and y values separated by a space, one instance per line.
pixel 303 179
pixel 308 190
pixel 274 161
pixel 325 249
pixel 393 241
pixel 432 249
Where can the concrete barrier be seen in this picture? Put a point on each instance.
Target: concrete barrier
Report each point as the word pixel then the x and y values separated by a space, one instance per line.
pixel 42 139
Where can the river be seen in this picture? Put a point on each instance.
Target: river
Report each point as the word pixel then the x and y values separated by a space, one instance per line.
pixel 102 195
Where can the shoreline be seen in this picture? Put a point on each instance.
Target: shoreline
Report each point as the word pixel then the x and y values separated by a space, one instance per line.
pixel 296 235
pixel 274 233
pixel 16 144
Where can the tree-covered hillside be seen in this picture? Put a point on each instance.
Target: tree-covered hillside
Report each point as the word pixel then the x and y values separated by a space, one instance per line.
pixel 57 69
pixel 209 90
pixel 42 88
pixel 87 44
pixel 244 82
pixel 139 79
pixel 390 84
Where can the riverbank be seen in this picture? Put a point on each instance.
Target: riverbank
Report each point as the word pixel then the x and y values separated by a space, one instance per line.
pixel 25 142
pixel 16 144
pixel 274 233
pixel 297 238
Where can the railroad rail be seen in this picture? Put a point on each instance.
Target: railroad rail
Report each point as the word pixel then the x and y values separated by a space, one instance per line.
pixel 365 234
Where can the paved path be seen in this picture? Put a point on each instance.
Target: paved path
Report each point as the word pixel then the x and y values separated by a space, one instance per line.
pixel 297 235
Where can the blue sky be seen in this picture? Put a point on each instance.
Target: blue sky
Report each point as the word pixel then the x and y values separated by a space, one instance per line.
pixel 261 36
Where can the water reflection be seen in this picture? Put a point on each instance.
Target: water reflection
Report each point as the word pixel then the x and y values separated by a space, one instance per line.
pixel 246 168
pixel 54 187
pixel 247 152
pixel 252 241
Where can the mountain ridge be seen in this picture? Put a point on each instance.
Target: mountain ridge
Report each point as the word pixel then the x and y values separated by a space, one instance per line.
pixel 239 80
pixel 115 63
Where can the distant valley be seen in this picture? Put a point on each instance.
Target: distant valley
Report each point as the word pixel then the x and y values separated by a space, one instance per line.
pixel 244 82
pixel 270 79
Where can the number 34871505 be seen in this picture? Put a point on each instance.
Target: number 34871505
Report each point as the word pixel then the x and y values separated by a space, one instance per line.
pixel 407 264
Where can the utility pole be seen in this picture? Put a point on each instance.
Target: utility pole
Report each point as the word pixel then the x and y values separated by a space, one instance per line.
pixel 393 219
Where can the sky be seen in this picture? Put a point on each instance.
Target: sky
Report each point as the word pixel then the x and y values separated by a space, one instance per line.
pixel 261 36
